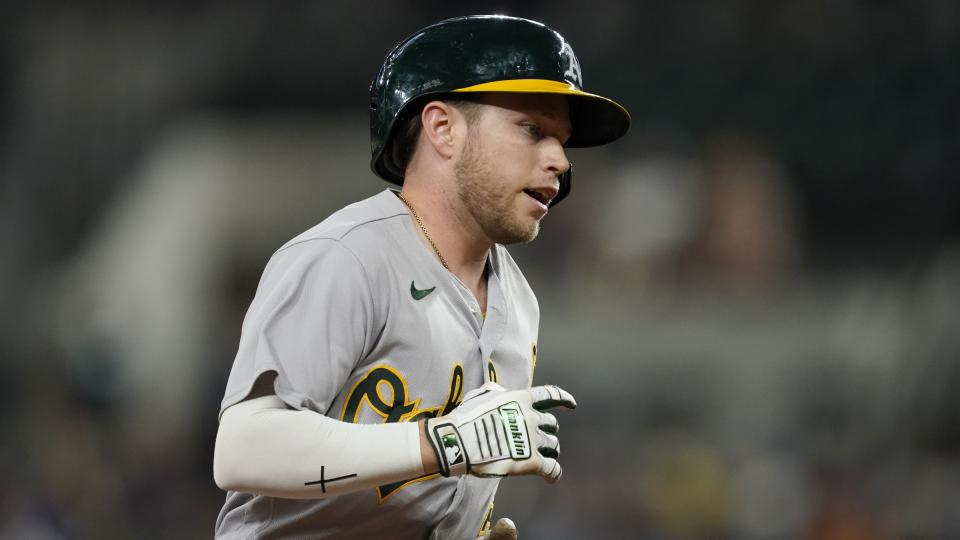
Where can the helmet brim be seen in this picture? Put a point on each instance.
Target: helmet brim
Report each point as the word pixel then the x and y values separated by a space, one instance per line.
pixel 596 120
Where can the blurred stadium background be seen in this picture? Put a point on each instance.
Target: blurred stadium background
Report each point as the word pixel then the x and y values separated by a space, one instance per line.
pixel 755 295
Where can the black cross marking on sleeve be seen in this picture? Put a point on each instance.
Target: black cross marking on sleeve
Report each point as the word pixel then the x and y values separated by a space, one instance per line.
pixel 324 481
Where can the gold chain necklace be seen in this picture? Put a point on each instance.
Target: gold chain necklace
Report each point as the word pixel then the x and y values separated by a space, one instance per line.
pixel 424 229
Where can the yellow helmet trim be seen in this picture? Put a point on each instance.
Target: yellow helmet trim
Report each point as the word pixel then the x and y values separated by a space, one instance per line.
pixel 537 86
pixel 525 85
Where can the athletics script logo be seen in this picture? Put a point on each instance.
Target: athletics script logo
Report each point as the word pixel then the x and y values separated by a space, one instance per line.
pixel 384 391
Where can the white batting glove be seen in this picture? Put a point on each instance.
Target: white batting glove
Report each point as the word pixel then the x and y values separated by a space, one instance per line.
pixel 496 432
pixel 503 530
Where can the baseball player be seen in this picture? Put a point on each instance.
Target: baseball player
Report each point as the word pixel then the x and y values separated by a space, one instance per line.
pixel 382 385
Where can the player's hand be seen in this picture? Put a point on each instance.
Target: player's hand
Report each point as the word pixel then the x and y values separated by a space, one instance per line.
pixel 503 530
pixel 496 432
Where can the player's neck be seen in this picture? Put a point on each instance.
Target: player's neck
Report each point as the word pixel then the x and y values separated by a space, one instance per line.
pixel 460 242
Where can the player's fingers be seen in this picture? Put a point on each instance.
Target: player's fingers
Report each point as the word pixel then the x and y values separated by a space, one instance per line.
pixel 545 397
pixel 550 469
pixel 548 441
pixel 549 452
pixel 549 445
pixel 548 423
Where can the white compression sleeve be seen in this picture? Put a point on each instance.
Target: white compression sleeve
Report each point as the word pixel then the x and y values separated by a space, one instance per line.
pixel 264 447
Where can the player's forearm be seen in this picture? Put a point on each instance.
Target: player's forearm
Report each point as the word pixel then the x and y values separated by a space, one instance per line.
pixel 263 447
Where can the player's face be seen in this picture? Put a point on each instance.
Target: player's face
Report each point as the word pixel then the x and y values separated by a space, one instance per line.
pixel 508 170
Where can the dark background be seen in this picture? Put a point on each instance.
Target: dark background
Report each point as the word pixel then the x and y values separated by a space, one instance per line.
pixel 754 294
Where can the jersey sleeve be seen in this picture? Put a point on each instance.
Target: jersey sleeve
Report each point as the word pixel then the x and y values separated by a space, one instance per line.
pixel 310 321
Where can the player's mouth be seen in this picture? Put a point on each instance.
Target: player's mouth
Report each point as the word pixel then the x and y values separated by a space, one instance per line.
pixel 542 195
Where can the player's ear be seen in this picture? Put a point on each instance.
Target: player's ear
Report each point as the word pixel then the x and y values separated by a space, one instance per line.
pixel 437 119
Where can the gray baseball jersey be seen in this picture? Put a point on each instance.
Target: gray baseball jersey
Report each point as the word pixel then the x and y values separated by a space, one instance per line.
pixel 362 323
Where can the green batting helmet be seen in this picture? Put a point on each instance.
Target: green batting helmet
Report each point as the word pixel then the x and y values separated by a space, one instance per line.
pixel 484 53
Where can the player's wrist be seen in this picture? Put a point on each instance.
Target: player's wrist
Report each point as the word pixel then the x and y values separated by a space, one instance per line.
pixel 447 445
pixel 427 453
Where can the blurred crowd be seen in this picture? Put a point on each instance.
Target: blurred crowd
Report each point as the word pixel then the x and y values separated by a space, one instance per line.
pixel 755 297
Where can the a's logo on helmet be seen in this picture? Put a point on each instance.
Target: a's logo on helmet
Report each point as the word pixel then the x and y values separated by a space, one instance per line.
pixel 572 73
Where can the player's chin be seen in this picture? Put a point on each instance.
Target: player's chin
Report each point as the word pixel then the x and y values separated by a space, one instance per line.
pixel 527 232
pixel 534 232
pixel 520 231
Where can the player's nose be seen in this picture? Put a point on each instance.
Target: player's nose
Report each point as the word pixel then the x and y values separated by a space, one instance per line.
pixel 555 157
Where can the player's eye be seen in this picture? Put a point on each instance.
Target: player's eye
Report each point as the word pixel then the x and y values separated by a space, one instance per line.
pixel 532 129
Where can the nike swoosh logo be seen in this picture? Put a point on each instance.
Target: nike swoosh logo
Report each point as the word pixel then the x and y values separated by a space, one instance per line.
pixel 420 294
